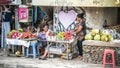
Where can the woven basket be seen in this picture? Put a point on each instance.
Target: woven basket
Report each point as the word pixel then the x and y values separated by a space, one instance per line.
pixel 117 28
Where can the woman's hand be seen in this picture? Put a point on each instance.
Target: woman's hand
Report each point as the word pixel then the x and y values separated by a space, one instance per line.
pixel 51 34
pixel 72 33
pixel 79 28
pixel 38 31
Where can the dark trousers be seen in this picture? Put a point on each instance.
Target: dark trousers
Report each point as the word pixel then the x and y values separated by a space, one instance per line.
pixel 80 48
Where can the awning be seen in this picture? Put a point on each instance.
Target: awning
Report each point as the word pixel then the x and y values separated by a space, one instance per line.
pixel 83 3
pixel 5 2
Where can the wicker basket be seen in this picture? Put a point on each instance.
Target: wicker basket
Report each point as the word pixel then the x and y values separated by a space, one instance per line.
pixel 117 28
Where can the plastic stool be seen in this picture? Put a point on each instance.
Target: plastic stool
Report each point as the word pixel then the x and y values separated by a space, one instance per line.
pixel 108 51
pixel 35 52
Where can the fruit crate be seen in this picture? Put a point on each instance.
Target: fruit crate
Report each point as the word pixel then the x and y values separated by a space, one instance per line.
pixel 62 47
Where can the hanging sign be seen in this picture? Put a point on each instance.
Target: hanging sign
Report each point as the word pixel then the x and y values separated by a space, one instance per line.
pixel 23 13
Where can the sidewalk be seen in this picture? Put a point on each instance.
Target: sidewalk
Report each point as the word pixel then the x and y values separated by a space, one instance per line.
pixel 22 62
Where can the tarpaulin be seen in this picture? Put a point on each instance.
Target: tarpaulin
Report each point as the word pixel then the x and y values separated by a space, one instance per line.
pixel 5 2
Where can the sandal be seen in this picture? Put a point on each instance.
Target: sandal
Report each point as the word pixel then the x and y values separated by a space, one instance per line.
pixel 80 58
pixel 43 58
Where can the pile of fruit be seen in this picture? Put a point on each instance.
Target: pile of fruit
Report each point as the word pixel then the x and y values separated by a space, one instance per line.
pixel 60 35
pixel 17 34
pixel 98 35
pixel 17 53
pixel 20 30
pixel 65 35
pixel 13 34
pixel 68 35
pixel 27 35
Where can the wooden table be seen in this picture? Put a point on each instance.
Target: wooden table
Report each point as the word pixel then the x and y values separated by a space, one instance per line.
pixel 94 50
pixel 18 42
pixel 69 45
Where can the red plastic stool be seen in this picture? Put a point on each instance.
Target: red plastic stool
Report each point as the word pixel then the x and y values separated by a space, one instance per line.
pixel 108 51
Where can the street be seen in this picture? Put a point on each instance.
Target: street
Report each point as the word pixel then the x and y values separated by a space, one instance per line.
pixel 23 62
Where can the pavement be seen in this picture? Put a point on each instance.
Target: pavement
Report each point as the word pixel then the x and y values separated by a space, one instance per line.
pixel 23 62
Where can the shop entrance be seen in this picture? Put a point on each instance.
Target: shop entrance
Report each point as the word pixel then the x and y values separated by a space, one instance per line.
pixel 118 15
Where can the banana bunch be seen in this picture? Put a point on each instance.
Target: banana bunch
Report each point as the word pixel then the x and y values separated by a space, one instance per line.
pixel 20 30
pixel 60 35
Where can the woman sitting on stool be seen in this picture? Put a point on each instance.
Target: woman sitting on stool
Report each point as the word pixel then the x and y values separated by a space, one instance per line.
pixel 42 36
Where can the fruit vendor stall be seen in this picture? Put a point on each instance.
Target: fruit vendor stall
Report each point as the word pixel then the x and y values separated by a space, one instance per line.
pixel 64 21
pixel 63 44
pixel 99 40
pixel 19 38
pixel 18 42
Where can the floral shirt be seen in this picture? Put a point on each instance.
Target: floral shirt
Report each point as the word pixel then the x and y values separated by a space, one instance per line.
pixel 43 37
pixel 82 33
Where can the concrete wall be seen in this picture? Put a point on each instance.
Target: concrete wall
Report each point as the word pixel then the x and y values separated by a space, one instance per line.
pixel 95 16
pixel 111 15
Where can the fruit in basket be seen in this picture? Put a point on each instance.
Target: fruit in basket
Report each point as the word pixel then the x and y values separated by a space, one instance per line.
pixel 88 37
pixel 20 30
pixel 93 34
pixel 34 36
pixel 104 32
pixel 9 35
pixel 95 31
pixel 28 35
pixel 60 35
pixel 110 37
pixel 24 35
pixel 13 31
pixel 68 35
pixel 65 35
pixel 15 35
pixel 97 37
pixel 104 38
